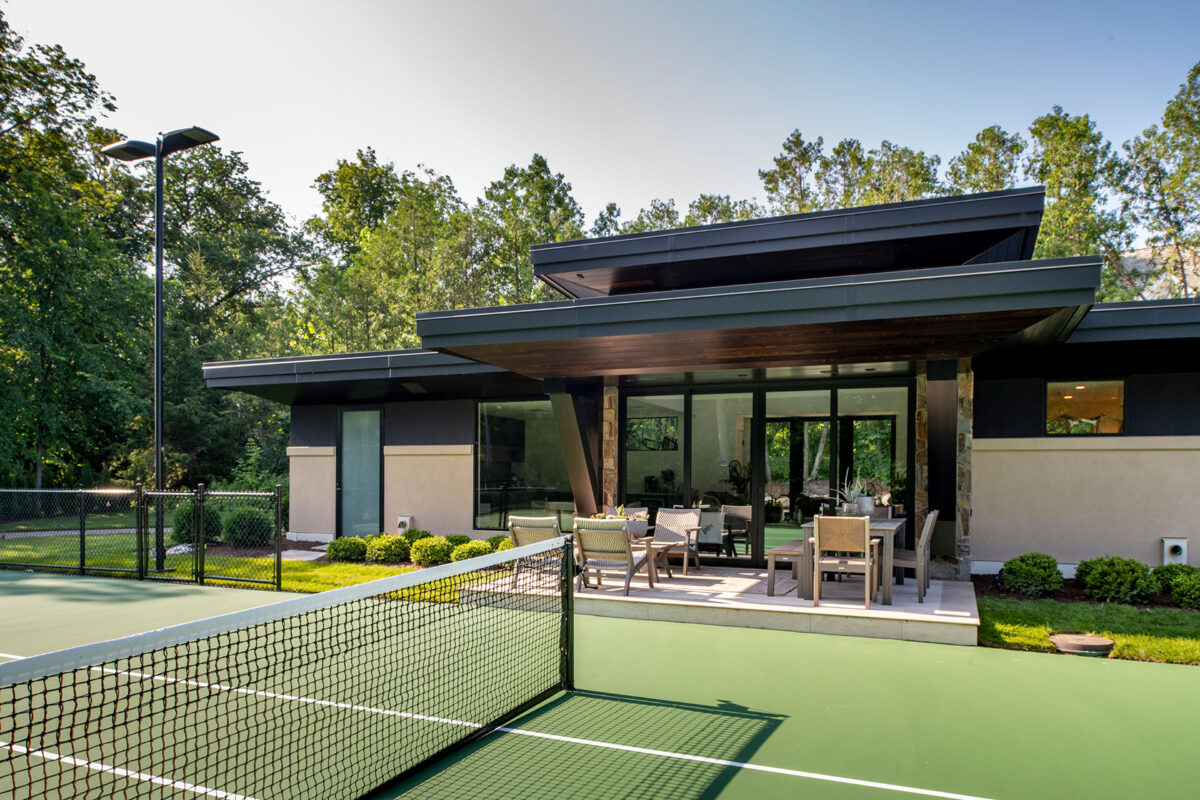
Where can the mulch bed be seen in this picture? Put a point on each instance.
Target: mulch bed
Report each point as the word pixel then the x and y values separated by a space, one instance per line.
pixel 1071 592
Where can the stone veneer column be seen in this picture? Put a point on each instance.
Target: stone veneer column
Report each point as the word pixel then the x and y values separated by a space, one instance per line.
pixel 962 477
pixel 920 477
pixel 608 447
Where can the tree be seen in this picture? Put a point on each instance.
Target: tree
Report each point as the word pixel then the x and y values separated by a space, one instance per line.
pixel 527 206
pixel 709 209
pixel 608 221
pixel 842 175
pixel 1074 161
pixel 897 174
pixel 790 184
pixel 1160 184
pixel 356 196
pixel 990 163
pixel 660 216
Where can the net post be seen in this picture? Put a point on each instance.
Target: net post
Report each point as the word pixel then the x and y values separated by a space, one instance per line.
pixel 279 537
pixel 198 527
pixel 140 532
pixel 568 614
pixel 82 533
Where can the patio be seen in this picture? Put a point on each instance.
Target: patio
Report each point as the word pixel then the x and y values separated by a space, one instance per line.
pixel 737 596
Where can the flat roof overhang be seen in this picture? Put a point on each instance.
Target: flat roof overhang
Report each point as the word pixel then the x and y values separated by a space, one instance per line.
pixel 1140 321
pixel 365 378
pixel 943 231
pixel 945 312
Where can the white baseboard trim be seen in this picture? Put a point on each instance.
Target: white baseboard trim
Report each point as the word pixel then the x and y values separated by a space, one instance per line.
pixel 309 537
pixel 993 568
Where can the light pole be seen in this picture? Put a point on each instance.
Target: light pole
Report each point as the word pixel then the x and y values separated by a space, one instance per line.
pixel 134 150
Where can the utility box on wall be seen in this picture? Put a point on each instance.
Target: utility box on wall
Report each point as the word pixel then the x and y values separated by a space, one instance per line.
pixel 1174 550
pixel 404 524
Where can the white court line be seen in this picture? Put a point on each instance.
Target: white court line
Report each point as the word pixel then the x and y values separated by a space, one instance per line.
pixel 11 657
pixel 124 773
pixel 721 762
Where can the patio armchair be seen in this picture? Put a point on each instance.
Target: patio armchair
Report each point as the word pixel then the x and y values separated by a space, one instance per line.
pixel 604 544
pixel 841 546
pixel 918 559
pixel 712 535
pixel 737 518
pixel 530 530
pixel 680 527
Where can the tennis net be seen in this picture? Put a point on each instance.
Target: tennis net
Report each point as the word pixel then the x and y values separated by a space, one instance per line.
pixel 327 696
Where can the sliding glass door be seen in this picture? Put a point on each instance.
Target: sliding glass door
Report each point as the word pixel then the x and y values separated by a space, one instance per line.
pixel 799 450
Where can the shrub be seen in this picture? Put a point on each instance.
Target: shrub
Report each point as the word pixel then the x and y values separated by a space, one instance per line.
pixel 385 549
pixel 494 541
pixel 470 550
pixel 458 539
pixel 413 534
pixel 1185 589
pixel 181 525
pixel 248 527
pixel 1166 574
pixel 1112 579
pixel 1032 574
pixel 347 548
pixel 431 551
pixel 506 544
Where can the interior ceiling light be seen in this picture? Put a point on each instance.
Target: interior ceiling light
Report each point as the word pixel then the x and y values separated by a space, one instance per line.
pixel 1068 397
pixel 1080 387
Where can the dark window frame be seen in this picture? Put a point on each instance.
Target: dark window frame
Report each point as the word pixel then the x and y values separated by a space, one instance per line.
pixel 1124 381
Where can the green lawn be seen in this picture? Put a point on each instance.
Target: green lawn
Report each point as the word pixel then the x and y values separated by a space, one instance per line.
pixel 1156 634
pixel 70 522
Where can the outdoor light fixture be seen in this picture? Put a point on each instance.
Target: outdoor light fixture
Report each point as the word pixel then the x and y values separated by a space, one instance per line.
pixel 135 150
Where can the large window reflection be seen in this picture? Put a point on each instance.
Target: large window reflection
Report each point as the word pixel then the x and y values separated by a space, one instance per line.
pixel 873 441
pixel 654 431
pixel 520 467
pixel 799 465
pixel 721 467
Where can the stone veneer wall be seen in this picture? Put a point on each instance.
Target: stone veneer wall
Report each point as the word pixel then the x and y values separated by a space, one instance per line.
pixel 962 476
pixel 608 438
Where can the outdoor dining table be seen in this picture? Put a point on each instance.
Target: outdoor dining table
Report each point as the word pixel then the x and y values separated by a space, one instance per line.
pixel 885 529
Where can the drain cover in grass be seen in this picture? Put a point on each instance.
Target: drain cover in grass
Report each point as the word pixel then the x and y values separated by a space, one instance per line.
pixel 1082 644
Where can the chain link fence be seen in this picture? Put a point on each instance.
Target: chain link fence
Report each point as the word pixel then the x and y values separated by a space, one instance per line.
pixel 219 538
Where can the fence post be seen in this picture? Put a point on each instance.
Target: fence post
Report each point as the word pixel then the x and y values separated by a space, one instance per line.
pixel 82 533
pixel 198 522
pixel 140 534
pixel 279 537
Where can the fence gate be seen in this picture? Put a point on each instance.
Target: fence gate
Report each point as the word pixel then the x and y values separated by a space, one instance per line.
pixel 216 538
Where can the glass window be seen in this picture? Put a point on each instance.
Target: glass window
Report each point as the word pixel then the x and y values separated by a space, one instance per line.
pixel 654 432
pixel 798 430
pixel 721 465
pixel 360 473
pixel 520 466
pixel 873 441
pixel 1085 407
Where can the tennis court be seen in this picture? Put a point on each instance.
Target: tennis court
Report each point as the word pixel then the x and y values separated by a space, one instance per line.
pixel 320 703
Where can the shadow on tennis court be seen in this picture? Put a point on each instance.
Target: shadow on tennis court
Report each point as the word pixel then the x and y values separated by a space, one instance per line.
pixel 594 745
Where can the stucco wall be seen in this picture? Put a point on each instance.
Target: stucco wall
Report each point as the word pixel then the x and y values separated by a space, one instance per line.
pixel 312 496
pixel 433 484
pixel 1085 497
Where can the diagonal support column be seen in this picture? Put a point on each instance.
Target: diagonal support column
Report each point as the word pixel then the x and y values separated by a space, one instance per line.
pixel 576 416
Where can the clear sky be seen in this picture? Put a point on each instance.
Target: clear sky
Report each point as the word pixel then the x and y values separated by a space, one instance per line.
pixel 630 100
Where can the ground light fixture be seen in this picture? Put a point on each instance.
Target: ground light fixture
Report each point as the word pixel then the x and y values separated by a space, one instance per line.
pixel 136 150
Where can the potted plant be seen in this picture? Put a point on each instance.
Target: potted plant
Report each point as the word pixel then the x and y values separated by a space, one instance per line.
pixel 852 494
pixel 899 490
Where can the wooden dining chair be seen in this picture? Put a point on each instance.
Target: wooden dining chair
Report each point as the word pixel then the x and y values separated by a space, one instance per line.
pixel 918 559
pixel 841 546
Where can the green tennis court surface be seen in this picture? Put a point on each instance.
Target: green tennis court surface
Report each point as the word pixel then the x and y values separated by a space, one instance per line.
pixel 662 710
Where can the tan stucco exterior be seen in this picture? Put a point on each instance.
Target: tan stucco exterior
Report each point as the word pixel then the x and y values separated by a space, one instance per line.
pixel 1085 497
pixel 312 495
pixel 431 483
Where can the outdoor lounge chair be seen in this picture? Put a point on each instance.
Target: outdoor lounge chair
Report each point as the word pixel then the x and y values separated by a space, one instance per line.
pixel 919 559
pixel 604 544
pixel 738 520
pixel 678 526
pixel 712 535
pixel 530 530
pixel 841 546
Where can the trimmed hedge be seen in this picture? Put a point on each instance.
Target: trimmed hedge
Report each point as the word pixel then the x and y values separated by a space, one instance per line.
pixel 1031 574
pixel 507 544
pixel 494 541
pixel 1112 579
pixel 1166 574
pixel 347 548
pixel 458 539
pixel 387 549
pixel 1185 589
pixel 472 549
pixel 413 535
pixel 181 525
pixel 247 527
pixel 431 551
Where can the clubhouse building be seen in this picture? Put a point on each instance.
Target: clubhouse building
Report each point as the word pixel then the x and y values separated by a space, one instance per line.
pixel 915 347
